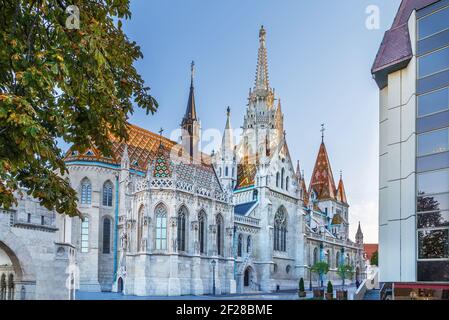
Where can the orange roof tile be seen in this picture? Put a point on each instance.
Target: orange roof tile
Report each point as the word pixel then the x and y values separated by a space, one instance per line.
pixel 143 147
pixel 370 248
pixel 322 181
pixel 341 194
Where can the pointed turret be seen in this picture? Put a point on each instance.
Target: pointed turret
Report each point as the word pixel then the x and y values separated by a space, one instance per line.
pixel 359 235
pixel 298 171
pixel 190 124
pixel 341 193
pixel 227 143
pixel 322 181
pixel 279 118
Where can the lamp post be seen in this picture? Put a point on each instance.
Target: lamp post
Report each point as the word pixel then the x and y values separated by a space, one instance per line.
pixel 213 263
pixel 310 278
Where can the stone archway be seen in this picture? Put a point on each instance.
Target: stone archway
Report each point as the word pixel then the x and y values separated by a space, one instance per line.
pixel 120 285
pixel 22 263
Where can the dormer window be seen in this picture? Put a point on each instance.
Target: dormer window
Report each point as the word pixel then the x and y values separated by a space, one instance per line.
pixel 89 153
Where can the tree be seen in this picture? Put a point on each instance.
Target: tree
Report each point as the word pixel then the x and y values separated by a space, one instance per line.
pixel 345 272
pixel 301 285
pixel 375 258
pixel 76 85
pixel 321 268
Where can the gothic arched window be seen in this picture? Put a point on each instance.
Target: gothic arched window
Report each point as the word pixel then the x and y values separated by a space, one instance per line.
pixel 86 191
pixel 287 180
pixel 85 235
pixel 280 230
pixel 220 234
pixel 202 231
pixel 248 244
pixel 315 255
pixel 226 171
pixel 182 217
pixel 277 179
pixel 240 245
pixel 161 227
pixel 107 194
pixel 107 235
pixel 328 258
pixel 140 229
pixel 282 178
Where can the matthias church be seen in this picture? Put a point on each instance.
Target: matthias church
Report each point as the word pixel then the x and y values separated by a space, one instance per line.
pixel 162 218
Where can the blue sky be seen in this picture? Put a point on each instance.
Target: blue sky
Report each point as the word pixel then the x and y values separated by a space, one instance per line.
pixel 319 55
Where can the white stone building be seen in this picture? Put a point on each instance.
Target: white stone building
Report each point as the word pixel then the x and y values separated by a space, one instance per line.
pixel 282 228
pixel 35 261
pixel 161 218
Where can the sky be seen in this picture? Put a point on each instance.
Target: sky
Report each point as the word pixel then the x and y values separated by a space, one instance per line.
pixel 319 57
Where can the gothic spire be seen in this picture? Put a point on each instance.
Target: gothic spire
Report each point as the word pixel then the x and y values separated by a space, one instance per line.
pixel 191 108
pixel 298 171
pixel 262 65
pixel 341 193
pixel 227 141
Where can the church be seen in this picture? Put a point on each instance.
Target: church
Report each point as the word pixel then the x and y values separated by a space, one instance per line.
pixel 162 218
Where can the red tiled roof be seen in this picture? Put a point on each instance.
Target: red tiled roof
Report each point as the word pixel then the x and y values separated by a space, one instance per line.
pixel 143 146
pixel 322 181
pixel 369 249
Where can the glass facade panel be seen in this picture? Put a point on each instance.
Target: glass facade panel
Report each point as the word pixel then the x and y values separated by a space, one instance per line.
pixel 433 182
pixel 433 271
pixel 433 142
pixel 434 62
pixel 432 152
pixel 433 202
pixel 433 122
pixel 433 23
pixel 433 219
pixel 433 162
pixel 433 43
pixel 433 102
pixel 433 244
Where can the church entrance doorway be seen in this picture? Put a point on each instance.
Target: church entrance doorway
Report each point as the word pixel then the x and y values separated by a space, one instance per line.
pixel 120 285
pixel 247 277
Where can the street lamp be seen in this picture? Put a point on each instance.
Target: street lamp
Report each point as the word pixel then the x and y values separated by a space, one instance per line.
pixel 310 278
pixel 213 263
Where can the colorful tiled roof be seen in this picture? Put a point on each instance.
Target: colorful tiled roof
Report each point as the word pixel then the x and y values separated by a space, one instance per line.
pixel 341 193
pixel 322 181
pixel 337 219
pixel 246 173
pixel 143 147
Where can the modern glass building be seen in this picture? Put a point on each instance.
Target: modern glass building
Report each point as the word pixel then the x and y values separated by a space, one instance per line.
pixel 412 72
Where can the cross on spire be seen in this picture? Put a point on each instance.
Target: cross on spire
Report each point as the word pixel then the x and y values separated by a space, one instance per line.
pixel 161 131
pixel 192 72
pixel 322 132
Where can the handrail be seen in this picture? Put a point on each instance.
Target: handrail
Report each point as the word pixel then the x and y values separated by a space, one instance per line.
pixel 359 294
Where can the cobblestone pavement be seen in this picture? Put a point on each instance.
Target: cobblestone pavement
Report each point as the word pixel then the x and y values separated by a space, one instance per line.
pixel 80 295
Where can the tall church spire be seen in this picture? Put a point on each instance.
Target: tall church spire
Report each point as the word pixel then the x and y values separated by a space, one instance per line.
pixel 262 65
pixel 190 123
pixel 191 109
